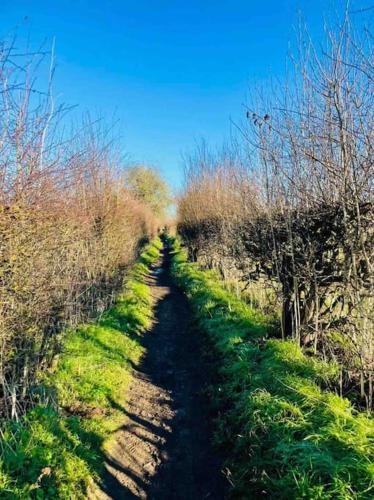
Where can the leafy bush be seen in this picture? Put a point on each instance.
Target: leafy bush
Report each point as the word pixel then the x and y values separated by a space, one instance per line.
pixel 288 438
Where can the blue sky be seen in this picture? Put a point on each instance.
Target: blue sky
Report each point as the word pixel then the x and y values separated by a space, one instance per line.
pixel 172 72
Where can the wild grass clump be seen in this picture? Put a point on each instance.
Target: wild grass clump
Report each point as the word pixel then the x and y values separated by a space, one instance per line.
pixel 287 437
pixel 55 450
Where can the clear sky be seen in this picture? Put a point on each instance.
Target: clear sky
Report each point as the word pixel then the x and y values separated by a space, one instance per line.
pixel 172 72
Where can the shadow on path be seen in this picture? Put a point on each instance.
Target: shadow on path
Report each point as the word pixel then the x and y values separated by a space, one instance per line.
pixel 163 450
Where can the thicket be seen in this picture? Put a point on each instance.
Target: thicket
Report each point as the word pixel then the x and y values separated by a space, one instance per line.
pixel 288 207
pixel 55 450
pixel 69 226
pixel 284 436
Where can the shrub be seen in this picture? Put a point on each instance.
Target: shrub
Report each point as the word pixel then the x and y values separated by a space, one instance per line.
pixel 55 450
pixel 286 436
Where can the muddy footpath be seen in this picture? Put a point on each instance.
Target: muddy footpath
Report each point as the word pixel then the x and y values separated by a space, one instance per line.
pixel 163 450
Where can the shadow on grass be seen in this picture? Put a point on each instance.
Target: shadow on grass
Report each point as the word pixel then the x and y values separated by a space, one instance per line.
pixel 285 436
pixel 51 453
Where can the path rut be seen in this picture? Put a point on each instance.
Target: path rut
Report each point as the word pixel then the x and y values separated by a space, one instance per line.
pixel 163 450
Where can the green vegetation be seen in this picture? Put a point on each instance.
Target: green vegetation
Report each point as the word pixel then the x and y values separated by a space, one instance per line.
pixel 287 437
pixel 147 185
pixel 56 450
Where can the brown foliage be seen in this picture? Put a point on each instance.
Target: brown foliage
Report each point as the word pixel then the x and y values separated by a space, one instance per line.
pixel 68 229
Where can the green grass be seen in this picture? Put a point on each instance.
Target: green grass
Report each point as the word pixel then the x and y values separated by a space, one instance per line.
pixel 56 450
pixel 284 436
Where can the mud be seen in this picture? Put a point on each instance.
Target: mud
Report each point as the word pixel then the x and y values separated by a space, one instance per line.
pixel 163 451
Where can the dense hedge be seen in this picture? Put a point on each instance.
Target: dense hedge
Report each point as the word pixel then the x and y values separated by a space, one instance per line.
pixel 284 435
pixel 55 450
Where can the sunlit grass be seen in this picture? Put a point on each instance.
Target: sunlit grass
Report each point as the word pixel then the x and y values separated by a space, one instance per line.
pixel 283 435
pixel 55 451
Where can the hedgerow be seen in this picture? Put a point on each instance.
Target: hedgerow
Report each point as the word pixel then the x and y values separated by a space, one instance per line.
pixel 287 206
pixel 286 436
pixel 55 450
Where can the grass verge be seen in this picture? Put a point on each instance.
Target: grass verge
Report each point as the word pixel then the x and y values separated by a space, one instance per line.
pixel 56 450
pixel 287 437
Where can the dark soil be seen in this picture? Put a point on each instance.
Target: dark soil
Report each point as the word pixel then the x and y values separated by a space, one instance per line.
pixel 163 450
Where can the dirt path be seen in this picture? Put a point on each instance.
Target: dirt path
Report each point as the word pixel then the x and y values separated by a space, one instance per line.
pixel 163 451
